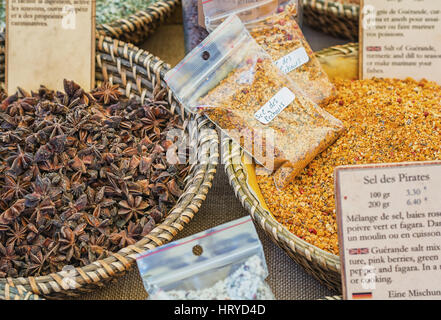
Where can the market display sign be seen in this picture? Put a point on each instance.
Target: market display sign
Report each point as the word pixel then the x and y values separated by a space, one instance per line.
pixel 48 41
pixel 389 220
pixel 400 39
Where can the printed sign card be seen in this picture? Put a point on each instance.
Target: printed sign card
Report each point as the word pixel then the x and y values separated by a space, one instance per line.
pixel 389 220
pixel 48 41
pixel 400 39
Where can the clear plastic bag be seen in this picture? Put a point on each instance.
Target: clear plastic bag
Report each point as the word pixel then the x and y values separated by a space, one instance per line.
pixel 231 79
pixel 280 35
pixel 224 263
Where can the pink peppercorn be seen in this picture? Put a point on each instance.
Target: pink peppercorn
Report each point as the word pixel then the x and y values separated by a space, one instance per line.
pixel 260 60
pixel 312 231
pixel 426 114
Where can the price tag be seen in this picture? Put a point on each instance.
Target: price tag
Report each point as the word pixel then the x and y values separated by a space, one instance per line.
pixel 48 41
pixel 400 39
pixel 293 60
pixel 389 219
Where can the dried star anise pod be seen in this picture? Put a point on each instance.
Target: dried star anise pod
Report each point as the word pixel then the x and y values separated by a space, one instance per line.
pixel 107 93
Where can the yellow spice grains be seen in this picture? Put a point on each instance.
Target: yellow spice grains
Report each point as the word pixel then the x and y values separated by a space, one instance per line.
pixel 386 121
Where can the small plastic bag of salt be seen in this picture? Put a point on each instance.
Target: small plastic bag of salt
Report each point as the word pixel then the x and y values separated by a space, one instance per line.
pixel 224 263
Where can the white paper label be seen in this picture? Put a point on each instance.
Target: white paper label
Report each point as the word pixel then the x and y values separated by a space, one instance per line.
pixel 389 218
pixel 293 60
pixel 277 104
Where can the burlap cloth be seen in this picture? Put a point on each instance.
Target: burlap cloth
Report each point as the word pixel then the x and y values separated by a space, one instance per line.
pixel 287 280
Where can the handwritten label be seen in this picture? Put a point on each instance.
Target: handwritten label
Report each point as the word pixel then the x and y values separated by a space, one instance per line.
pixel 389 220
pixel 293 60
pixel 277 104
pixel 400 39
pixel 48 41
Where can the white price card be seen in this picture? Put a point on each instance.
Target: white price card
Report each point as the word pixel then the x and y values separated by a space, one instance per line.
pixel 49 41
pixel 400 39
pixel 389 218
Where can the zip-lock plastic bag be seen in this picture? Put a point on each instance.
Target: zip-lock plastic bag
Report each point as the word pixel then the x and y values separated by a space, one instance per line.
pixel 231 79
pixel 278 32
pixel 224 263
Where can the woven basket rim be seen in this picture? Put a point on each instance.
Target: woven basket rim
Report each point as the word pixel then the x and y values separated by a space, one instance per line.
pixel 232 158
pixel 197 184
pixel 337 19
pixel 153 5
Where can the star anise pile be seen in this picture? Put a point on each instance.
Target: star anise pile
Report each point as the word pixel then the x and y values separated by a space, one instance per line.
pixel 81 175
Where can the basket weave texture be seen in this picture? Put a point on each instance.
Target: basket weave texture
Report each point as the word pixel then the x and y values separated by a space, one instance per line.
pixel 334 18
pixel 138 73
pixel 322 265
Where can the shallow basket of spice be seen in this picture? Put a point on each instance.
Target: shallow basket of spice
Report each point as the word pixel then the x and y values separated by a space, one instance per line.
pixel 90 180
pixel 386 120
pixel 339 18
pixel 2 56
pixel 133 20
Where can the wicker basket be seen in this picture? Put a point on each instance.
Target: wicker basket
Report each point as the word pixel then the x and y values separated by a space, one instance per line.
pixel 2 57
pixel 136 28
pixel 137 73
pixel 322 265
pixel 334 18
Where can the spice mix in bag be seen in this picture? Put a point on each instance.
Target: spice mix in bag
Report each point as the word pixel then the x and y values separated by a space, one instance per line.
pixel 280 35
pixel 233 81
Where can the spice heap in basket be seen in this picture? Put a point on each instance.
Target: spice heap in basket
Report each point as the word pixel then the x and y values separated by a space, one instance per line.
pixel 387 121
pixel 280 36
pixel 81 175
